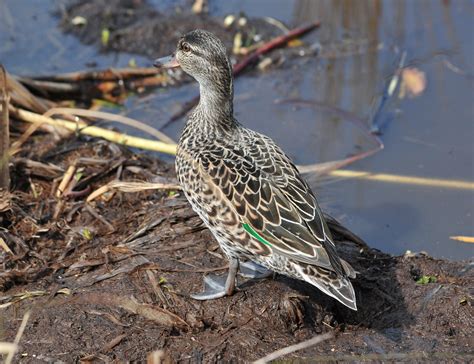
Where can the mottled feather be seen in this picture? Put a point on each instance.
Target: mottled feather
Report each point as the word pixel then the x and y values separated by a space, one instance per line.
pixel 246 189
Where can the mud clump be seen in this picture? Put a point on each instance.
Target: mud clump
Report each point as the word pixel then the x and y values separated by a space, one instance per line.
pixel 137 27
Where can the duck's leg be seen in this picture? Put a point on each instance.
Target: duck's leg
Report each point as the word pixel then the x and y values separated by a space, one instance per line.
pixel 253 270
pixel 216 287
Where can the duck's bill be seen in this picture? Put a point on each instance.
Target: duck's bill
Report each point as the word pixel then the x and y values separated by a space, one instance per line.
pixel 166 62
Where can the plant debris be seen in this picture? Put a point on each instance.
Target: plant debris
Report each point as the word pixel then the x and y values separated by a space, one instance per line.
pixel 426 280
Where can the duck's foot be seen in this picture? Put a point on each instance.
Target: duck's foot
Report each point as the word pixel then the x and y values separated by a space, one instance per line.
pixel 218 286
pixel 253 270
pixel 214 287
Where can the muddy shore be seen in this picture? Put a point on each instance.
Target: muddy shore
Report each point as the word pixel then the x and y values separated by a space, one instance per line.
pixel 110 279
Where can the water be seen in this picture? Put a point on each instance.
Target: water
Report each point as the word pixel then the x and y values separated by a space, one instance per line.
pixel 427 136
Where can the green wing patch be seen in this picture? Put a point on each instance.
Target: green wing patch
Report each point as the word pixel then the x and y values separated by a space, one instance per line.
pixel 256 235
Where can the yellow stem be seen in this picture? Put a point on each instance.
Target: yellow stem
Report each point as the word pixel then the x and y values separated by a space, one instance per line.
pixel 393 178
pixel 83 128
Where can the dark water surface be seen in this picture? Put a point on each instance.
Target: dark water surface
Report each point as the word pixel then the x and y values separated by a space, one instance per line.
pixel 429 136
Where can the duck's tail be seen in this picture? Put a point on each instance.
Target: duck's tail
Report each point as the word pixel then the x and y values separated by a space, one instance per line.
pixel 335 286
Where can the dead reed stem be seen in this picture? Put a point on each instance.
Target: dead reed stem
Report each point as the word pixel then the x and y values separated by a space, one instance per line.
pixel 4 132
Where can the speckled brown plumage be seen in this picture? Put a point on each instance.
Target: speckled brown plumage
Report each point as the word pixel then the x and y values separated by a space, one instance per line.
pixel 245 188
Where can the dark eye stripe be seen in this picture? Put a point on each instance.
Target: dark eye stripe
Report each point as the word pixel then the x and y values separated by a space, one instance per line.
pixel 196 52
pixel 191 49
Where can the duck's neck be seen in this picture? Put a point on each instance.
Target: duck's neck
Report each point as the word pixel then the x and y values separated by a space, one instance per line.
pixel 216 99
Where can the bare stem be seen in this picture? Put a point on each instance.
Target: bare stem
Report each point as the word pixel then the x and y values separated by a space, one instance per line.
pixel 4 131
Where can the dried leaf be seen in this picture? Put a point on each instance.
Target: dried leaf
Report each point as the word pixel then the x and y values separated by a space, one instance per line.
pixel 150 312
pixel 5 246
pixel 413 83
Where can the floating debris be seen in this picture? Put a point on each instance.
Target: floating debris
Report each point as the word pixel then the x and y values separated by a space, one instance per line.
pixel 79 21
pixel 413 83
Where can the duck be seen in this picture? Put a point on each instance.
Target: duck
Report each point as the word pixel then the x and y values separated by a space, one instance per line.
pixel 246 190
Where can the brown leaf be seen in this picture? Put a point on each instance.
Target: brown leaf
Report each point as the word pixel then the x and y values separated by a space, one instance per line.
pixel 413 82
pixel 150 312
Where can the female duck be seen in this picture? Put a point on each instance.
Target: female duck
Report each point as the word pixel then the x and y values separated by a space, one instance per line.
pixel 245 188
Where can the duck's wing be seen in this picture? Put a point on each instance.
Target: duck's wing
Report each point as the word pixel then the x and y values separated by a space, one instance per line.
pixel 274 203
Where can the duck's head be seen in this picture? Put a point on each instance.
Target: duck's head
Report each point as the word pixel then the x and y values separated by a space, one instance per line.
pixel 203 56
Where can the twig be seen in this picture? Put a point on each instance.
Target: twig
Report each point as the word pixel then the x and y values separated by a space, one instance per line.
pixel 82 128
pixel 276 23
pixel 176 270
pixel 39 169
pixel 16 145
pixel 111 117
pixel 291 349
pixel 157 289
pixel 4 132
pixel 143 230
pixel 239 67
pixel 99 217
pixel 18 336
pixel 131 187
pixel 330 167
pixel 111 90
pixel 456 69
pixel 66 179
pixel 24 98
pixel 113 343
pixel 49 86
pixel 69 193
pixel 110 74
pixel 272 44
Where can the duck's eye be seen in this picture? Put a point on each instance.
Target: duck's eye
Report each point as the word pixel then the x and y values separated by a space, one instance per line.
pixel 185 47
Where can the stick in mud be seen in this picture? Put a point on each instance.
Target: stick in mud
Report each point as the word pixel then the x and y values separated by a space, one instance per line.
pixel 4 132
